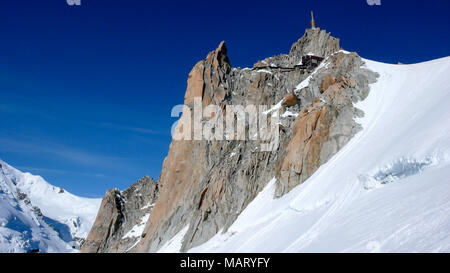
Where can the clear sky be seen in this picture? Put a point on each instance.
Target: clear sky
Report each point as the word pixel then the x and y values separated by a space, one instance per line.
pixel 86 91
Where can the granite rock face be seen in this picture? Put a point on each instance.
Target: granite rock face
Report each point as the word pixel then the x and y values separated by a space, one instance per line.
pixel 314 42
pixel 205 184
pixel 326 122
pixel 118 214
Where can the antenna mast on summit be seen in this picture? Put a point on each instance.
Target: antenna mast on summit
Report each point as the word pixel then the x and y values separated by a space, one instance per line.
pixel 313 23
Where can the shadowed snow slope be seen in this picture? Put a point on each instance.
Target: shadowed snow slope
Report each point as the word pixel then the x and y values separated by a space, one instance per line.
pixel 387 190
pixel 37 215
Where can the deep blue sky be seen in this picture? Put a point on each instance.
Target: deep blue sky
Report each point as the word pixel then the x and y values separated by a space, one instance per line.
pixel 86 91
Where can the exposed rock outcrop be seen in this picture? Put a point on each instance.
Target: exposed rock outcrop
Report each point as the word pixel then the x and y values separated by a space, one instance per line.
pixel 326 123
pixel 290 100
pixel 204 185
pixel 119 213
pixel 314 42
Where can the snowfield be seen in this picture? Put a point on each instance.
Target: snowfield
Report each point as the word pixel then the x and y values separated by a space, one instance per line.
pixel 387 190
pixel 37 215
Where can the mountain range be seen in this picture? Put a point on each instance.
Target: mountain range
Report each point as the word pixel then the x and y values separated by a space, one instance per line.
pixel 360 162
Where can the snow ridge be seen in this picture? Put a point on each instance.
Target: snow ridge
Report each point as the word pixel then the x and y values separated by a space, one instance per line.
pixel 37 215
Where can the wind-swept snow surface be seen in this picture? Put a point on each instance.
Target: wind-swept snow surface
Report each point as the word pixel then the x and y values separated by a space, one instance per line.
pixel 387 190
pixel 37 215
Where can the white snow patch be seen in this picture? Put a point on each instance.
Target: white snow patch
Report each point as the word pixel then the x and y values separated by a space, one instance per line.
pixel 344 51
pixel 149 205
pixel 138 229
pixel 274 108
pixel 264 71
pixel 305 82
pixel 289 114
pixel 174 244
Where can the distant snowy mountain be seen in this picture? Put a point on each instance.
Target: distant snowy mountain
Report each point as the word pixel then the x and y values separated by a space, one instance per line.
pixel 387 190
pixel 36 215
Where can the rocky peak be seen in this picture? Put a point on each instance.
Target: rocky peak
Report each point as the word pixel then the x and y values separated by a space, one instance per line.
pixel 121 213
pixel 218 58
pixel 315 42
pixel 207 79
pixel 205 185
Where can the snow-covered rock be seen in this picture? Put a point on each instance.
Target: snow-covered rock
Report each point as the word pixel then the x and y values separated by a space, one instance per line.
pixel 36 215
pixel 387 190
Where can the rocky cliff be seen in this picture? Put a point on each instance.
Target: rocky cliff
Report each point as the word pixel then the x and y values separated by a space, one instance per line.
pixel 205 184
pixel 122 217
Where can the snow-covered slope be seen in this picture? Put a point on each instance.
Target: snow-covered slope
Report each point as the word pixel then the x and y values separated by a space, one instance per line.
pixel 37 215
pixel 387 190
